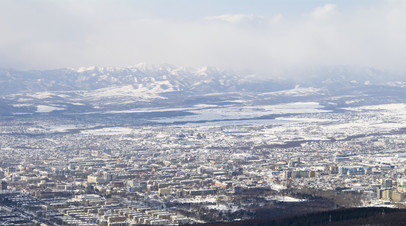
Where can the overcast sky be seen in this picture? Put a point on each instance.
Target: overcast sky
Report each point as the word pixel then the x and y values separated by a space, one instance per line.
pixel 256 36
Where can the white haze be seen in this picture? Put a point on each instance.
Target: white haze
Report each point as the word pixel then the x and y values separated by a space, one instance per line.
pixel 54 34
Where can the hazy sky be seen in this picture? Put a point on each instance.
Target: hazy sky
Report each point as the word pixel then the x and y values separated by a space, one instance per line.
pixel 258 36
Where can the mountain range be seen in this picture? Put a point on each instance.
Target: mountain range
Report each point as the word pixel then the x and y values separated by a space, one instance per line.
pixel 99 89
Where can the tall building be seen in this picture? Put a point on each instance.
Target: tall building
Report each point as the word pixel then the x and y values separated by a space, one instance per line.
pixel 386 183
pixel 3 185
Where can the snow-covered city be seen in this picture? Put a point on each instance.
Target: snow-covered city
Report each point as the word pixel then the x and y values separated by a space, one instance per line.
pixel 203 112
pixel 198 163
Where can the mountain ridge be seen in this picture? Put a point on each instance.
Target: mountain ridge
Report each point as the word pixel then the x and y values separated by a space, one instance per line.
pixel 204 79
pixel 143 85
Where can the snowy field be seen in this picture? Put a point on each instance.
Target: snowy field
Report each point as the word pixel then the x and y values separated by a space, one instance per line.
pixel 246 112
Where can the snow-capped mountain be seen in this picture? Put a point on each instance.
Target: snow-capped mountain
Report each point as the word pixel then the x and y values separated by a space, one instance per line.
pixel 89 89
pixel 165 77
pixel 117 88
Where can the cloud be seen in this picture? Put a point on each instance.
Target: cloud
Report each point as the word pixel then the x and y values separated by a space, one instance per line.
pixel 275 19
pixel 325 11
pixel 52 34
pixel 237 18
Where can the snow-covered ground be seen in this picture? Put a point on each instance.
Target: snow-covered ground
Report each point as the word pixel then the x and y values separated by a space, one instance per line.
pixel 198 199
pixel 138 93
pixel 46 108
pixel 108 131
pixel 297 91
pixel 223 207
pixel 284 199
pixel 246 112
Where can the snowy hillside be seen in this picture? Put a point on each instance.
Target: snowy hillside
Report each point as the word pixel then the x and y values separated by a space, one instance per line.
pixel 101 89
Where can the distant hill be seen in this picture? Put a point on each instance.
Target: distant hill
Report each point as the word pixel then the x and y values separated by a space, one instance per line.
pixel 339 217
pixel 101 89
